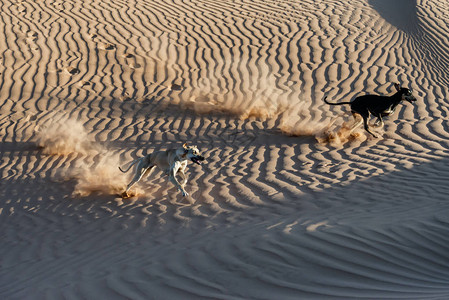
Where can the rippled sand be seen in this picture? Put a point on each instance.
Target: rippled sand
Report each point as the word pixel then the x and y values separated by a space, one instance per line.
pixel 287 206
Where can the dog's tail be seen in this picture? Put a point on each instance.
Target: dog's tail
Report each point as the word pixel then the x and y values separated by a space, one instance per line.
pixel 339 103
pixel 130 165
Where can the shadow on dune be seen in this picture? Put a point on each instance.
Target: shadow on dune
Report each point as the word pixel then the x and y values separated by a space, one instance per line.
pixel 383 237
pixel 400 13
pixel 48 196
pixel 384 233
pixel 419 184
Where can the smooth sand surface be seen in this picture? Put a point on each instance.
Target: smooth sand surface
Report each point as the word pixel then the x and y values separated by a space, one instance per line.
pixel 288 205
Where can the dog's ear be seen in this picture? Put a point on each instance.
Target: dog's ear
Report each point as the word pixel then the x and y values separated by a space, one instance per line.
pixel 185 145
pixel 397 86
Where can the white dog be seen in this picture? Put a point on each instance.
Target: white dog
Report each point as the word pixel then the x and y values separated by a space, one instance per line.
pixel 173 162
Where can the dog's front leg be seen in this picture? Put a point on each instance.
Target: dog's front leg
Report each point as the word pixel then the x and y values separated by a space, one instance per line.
pixel 183 177
pixel 182 173
pixel 172 176
pixel 366 125
pixel 379 122
pixel 179 186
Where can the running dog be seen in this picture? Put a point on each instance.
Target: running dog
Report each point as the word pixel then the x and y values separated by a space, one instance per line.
pixel 378 106
pixel 173 162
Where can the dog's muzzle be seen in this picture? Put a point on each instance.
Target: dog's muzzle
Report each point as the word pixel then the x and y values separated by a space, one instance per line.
pixel 410 99
pixel 197 159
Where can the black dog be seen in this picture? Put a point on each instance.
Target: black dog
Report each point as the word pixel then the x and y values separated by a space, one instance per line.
pixel 378 106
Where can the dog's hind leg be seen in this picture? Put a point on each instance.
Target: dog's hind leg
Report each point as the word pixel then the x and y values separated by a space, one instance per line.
pixel 148 171
pixel 140 172
pixel 357 122
pixel 332 122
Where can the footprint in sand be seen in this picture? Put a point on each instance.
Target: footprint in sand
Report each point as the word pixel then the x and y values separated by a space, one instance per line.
pixel 30 118
pixel 135 65
pixel 125 98
pixel 73 70
pixel 176 87
pixel 109 46
pixel 32 35
pixel 132 63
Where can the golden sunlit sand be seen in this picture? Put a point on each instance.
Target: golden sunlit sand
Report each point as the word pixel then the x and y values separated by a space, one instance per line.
pixel 289 204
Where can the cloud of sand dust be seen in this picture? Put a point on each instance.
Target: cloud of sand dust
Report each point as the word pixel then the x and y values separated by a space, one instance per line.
pixel 95 169
pixel 256 94
pixel 264 100
pixel 62 136
pixel 103 177
pixel 340 134
pixel 264 104
pixel 334 131
pixel 242 90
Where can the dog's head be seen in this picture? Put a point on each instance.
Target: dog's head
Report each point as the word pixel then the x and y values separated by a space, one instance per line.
pixel 193 154
pixel 406 93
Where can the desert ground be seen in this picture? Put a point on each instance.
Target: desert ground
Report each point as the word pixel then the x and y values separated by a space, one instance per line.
pixel 288 205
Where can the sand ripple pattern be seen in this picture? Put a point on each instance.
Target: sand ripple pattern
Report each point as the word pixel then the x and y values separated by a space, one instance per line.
pixel 272 216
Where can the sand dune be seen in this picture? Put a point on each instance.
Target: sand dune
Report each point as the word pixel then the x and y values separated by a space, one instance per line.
pixel 288 205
